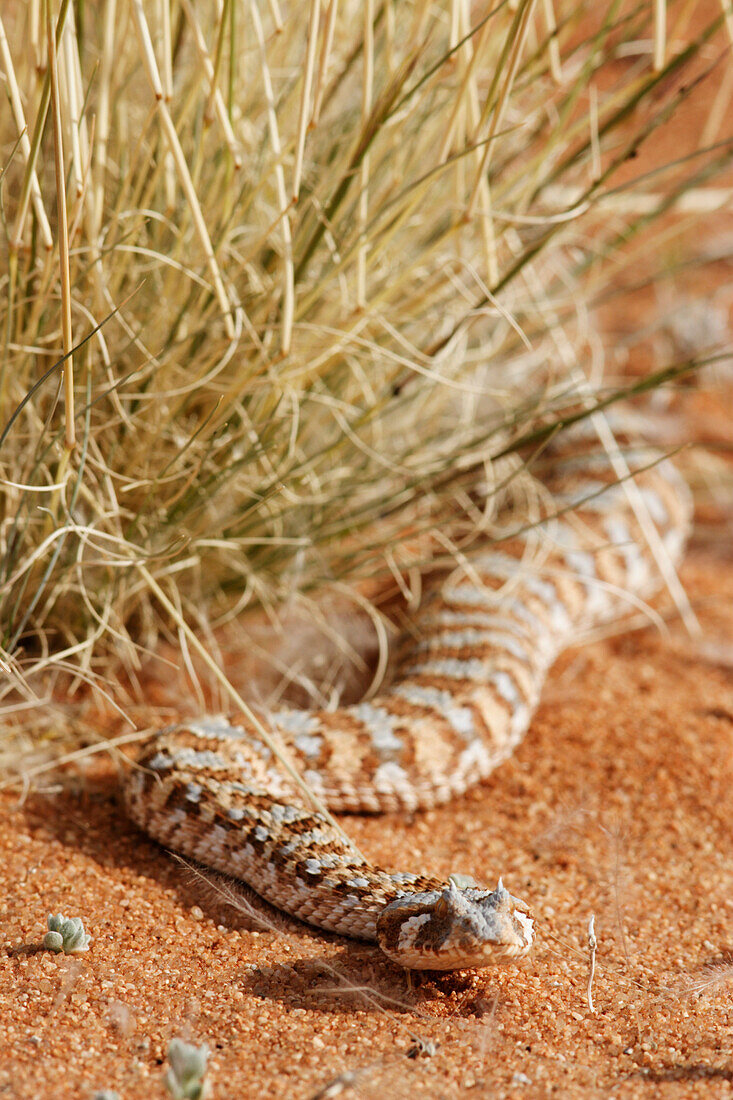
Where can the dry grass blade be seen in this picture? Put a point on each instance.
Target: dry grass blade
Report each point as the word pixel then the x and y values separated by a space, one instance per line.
pixel 25 145
pixel 63 234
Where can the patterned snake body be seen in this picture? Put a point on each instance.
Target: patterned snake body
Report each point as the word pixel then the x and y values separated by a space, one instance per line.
pixel 466 685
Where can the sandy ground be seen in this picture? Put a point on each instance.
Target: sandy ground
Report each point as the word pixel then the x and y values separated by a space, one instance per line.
pixel 619 804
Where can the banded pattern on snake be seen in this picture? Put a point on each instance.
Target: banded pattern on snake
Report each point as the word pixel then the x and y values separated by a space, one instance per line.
pixel 466 684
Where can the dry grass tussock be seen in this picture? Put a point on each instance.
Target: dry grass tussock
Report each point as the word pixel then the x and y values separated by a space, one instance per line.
pixel 277 278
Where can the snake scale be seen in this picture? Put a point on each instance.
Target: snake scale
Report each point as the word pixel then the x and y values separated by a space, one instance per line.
pixel 467 681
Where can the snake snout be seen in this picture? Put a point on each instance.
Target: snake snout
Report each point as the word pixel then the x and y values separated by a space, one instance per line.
pixel 455 928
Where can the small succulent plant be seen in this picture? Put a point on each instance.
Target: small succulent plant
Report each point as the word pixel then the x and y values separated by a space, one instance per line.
pixel 65 934
pixel 184 1079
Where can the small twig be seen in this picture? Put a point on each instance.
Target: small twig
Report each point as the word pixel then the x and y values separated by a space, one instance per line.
pixel 592 945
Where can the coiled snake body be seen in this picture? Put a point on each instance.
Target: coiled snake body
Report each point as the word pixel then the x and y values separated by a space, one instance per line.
pixel 466 684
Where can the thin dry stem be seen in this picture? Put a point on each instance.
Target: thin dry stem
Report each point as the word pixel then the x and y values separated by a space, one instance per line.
pixel 68 83
pixel 277 18
pixel 498 111
pixel 660 34
pixel 310 61
pixel 288 304
pixel 596 166
pixel 63 231
pixel 727 8
pixel 17 235
pixel 592 946
pixel 103 114
pixel 367 89
pixel 184 174
pixel 16 105
pixel 326 48
pixel 215 93
pixel 553 47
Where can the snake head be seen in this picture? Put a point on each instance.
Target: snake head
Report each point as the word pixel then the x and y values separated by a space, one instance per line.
pixel 455 928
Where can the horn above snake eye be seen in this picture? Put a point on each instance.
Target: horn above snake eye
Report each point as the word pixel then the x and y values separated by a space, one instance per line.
pixel 448 902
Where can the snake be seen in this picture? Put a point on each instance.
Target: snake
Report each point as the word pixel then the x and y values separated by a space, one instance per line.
pixel 468 676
